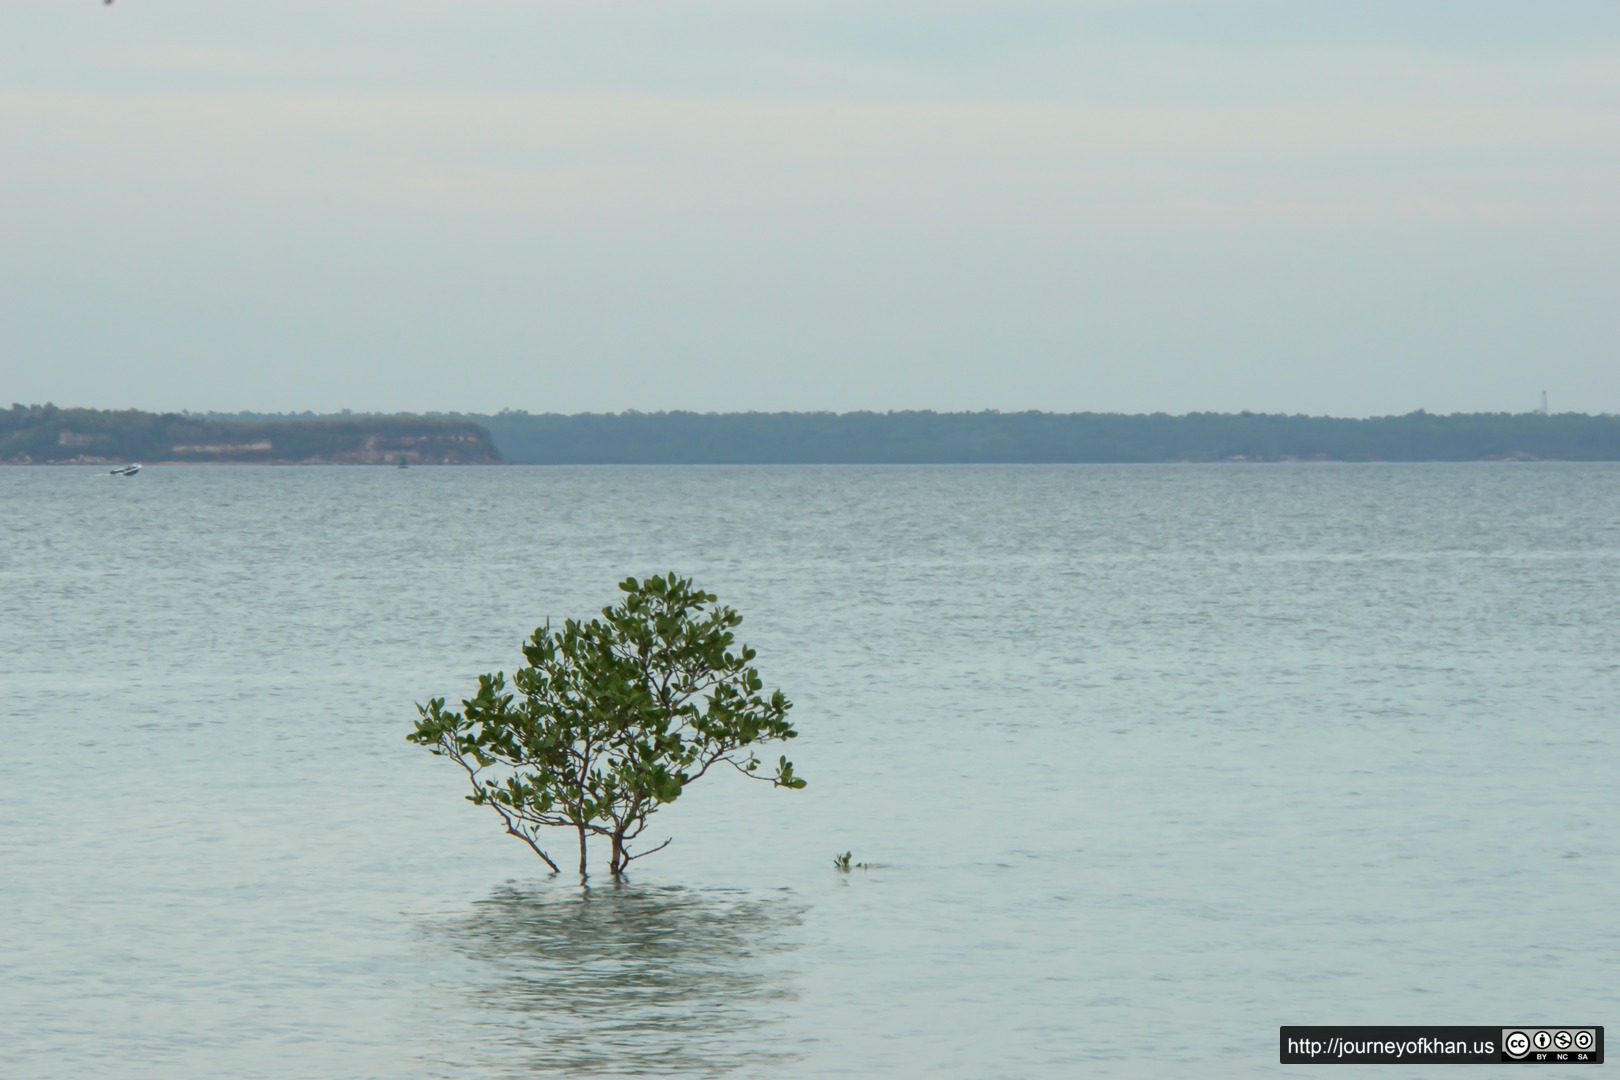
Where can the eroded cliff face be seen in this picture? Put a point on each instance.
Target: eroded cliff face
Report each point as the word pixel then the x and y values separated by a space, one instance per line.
pixel 444 448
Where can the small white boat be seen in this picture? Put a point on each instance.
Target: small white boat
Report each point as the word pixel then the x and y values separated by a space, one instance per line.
pixel 126 470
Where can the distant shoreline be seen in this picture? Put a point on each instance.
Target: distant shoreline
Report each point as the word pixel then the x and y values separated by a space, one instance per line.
pixel 987 438
pixel 45 434
pixel 103 468
pixel 49 435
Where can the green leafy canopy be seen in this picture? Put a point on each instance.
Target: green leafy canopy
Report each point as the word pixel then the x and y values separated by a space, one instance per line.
pixel 612 718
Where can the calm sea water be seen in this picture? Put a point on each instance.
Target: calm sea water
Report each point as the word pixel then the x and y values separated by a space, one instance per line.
pixel 1152 760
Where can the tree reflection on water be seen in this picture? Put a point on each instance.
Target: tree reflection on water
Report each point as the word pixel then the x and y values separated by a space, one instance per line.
pixel 624 980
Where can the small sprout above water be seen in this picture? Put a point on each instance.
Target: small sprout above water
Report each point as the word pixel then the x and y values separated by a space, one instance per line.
pixel 842 862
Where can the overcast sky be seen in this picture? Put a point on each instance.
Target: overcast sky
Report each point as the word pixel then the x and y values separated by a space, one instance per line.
pixel 1282 205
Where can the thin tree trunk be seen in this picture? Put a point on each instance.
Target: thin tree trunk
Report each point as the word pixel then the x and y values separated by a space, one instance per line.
pixel 582 872
pixel 619 861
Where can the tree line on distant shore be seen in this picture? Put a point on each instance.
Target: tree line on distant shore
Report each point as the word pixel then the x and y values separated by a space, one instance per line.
pixel 686 438
pixel 48 434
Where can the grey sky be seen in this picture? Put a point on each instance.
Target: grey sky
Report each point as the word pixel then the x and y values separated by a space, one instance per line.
pixel 563 206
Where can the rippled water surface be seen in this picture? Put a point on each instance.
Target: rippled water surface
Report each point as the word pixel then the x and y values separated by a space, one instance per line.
pixel 1150 760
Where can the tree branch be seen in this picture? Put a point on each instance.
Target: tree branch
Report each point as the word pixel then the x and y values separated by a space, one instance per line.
pixel 629 858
